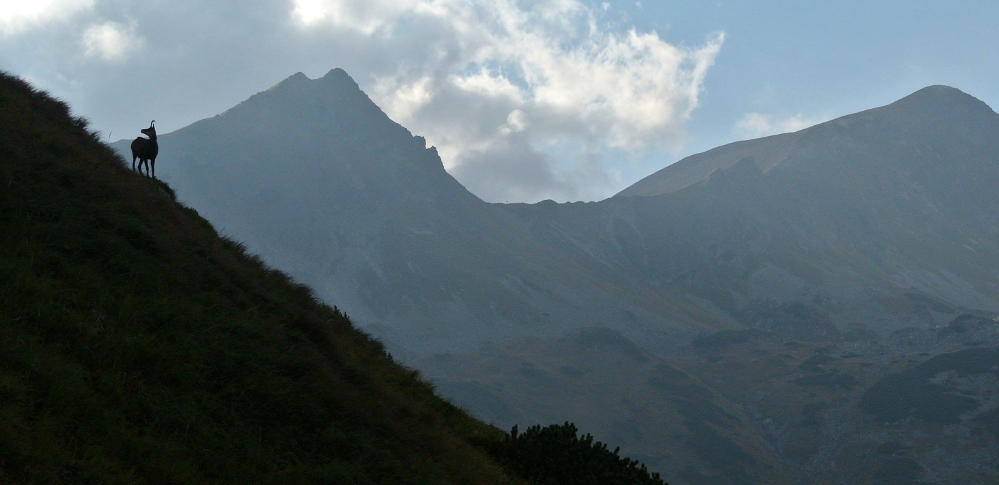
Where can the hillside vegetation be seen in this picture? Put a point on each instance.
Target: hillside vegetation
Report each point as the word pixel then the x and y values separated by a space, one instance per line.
pixel 139 346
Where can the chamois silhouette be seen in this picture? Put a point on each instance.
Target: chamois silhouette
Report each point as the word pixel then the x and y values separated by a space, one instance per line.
pixel 145 149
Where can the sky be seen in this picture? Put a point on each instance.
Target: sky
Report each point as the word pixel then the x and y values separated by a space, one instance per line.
pixel 551 99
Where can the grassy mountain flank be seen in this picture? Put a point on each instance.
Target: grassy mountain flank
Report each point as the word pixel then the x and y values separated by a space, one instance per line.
pixel 139 346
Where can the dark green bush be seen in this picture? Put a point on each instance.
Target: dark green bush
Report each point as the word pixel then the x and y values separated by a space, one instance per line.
pixel 558 455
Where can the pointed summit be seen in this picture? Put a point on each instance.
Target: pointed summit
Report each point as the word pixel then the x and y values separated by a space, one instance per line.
pixel 325 134
pixel 336 79
pixel 332 100
pixel 337 73
pixel 341 81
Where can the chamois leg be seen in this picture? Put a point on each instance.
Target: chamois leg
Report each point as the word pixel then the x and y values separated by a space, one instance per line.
pixel 153 164
pixel 133 163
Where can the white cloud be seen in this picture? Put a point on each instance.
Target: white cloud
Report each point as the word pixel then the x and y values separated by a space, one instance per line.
pixel 366 16
pixel 755 125
pixel 553 74
pixel 111 41
pixel 408 97
pixel 17 16
pixel 516 122
pixel 496 85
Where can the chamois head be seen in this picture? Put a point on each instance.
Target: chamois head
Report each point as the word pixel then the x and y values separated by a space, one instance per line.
pixel 151 131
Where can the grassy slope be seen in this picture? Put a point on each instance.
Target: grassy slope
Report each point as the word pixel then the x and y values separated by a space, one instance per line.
pixel 138 346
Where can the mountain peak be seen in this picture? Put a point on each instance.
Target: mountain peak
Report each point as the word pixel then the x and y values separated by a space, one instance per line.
pixel 329 126
pixel 937 90
pixel 934 109
pixel 335 73
pixel 340 79
pixel 941 97
pixel 298 91
pixel 295 79
pixel 336 77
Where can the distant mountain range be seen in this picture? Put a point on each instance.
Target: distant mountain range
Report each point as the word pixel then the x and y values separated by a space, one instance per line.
pixel 807 267
pixel 852 228
pixel 313 176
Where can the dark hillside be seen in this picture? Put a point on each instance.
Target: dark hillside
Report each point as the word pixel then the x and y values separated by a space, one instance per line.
pixel 137 346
